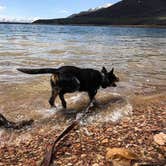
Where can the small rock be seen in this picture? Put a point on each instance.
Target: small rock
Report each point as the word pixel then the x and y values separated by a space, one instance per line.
pixel 79 163
pixel 39 162
pixel 57 162
pixel 95 164
pixel 136 129
pixel 140 141
pixel 87 132
pixel 126 119
pixel 109 129
pixel 67 154
pixel 160 138
pixel 99 157
pixel 104 141
pixel 83 155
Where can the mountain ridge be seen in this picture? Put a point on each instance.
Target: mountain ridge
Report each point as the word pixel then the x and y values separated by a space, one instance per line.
pixel 125 12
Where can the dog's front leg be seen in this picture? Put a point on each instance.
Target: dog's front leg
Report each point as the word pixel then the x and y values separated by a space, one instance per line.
pixel 91 95
pixel 61 96
pixel 95 102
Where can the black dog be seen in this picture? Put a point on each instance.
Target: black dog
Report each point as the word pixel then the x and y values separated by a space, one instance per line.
pixel 68 79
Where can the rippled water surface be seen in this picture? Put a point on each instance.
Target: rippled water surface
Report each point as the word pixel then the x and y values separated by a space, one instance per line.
pixel 137 54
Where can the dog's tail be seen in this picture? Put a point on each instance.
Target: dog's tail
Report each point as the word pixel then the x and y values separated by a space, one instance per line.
pixel 38 71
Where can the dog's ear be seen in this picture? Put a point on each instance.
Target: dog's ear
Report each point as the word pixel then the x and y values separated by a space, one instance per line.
pixel 112 71
pixel 104 70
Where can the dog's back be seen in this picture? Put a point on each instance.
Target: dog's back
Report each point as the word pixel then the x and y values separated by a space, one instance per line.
pixel 88 78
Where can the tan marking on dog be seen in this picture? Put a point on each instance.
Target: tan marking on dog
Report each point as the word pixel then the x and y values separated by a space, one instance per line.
pixel 54 78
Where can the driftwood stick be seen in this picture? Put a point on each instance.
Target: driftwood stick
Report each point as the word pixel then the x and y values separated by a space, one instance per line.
pixel 14 125
pixel 160 163
pixel 49 153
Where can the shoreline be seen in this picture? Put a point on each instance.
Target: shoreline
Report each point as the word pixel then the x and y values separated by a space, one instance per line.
pixel 107 25
pixel 86 145
pixel 98 25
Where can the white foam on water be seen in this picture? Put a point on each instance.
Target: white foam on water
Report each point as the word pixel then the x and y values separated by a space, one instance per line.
pixel 47 112
pixel 75 98
pixel 110 116
pixel 79 115
pixel 119 113
pixel 115 94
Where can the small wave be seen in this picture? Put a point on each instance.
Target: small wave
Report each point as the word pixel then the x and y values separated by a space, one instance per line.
pixel 109 116
pixel 12 54
pixel 47 112
pixel 112 111
pixel 56 51
pixel 75 98
pixel 119 113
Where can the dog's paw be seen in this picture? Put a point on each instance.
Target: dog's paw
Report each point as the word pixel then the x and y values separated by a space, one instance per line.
pixel 95 104
pixel 53 106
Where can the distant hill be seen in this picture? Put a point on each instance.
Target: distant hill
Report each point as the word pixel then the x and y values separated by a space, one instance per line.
pixel 14 22
pixel 125 12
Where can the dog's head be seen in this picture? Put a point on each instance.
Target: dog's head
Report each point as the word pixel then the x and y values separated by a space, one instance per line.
pixel 112 78
pixel 109 79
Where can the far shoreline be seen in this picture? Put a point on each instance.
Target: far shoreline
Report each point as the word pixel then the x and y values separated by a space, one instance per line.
pixel 15 23
pixel 98 25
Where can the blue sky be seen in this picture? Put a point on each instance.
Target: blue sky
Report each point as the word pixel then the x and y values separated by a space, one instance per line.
pixel 34 9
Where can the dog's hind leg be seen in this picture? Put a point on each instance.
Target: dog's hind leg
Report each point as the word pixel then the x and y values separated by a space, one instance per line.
pixel 54 94
pixel 67 85
pixel 61 96
pixel 54 90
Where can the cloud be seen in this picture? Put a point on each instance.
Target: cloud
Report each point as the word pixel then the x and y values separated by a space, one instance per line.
pixel 17 19
pixel 64 11
pixel 2 8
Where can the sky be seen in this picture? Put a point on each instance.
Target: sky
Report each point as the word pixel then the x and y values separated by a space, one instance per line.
pixel 21 10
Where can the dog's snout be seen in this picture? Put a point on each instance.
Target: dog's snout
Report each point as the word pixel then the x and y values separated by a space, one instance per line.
pixel 114 85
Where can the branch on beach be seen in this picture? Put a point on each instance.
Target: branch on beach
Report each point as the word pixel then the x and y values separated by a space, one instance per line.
pixel 161 163
pixel 49 153
pixel 14 125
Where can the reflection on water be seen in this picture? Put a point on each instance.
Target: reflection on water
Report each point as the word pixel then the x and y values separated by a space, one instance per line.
pixel 138 55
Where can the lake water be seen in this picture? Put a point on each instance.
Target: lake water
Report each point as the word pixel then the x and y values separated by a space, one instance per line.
pixel 137 54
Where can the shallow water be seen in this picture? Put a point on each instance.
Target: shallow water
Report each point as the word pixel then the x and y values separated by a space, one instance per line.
pixel 137 54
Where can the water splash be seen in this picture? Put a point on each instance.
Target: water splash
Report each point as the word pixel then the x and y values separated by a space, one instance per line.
pixel 47 112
